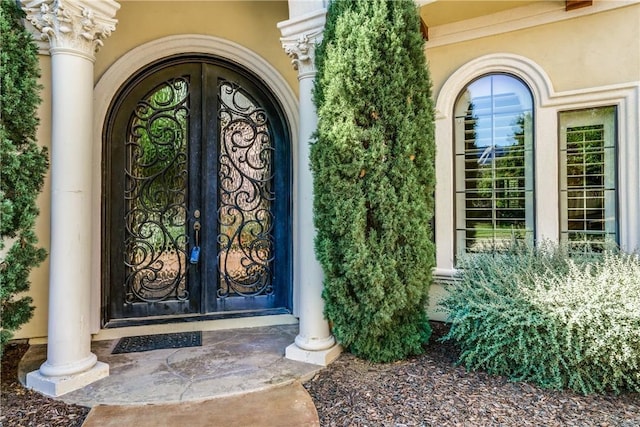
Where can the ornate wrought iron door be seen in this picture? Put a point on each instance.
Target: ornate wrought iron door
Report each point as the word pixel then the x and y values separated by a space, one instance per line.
pixel 197 202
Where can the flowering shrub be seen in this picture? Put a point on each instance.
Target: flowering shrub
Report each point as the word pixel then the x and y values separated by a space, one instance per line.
pixel 540 315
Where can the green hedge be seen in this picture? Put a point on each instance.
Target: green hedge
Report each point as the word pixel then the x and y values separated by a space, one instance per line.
pixel 542 316
pixel 23 165
pixel 373 168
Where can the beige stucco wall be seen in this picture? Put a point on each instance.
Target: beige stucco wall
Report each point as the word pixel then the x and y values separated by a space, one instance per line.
pixel 577 54
pixel 251 24
pixel 590 51
pixel 39 277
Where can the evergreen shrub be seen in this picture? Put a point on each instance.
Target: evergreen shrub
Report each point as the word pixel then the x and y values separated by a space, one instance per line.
pixel 540 315
pixel 22 167
pixel 372 161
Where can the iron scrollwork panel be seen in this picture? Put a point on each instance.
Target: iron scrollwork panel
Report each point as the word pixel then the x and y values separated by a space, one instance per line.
pixel 156 182
pixel 245 196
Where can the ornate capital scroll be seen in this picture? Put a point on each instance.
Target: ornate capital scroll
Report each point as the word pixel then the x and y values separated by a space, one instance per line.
pixel 76 25
pixel 302 52
pixel 300 35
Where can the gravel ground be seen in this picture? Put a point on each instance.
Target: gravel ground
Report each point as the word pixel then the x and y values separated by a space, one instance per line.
pixel 428 390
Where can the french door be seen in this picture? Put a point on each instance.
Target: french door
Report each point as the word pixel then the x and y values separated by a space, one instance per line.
pixel 196 201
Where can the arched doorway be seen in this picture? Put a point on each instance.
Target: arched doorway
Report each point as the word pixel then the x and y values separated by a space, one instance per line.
pixel 196 199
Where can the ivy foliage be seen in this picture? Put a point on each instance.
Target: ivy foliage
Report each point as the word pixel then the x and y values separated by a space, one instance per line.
pixel 23 165
pixel 550 317
pixel 372 160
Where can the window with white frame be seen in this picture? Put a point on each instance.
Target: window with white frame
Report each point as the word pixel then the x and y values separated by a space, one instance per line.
pixel 493 132
pixel 588 176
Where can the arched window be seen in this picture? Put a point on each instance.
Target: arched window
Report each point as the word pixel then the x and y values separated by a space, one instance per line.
pixel 493 132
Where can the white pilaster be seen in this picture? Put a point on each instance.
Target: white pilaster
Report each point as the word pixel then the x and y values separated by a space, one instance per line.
pixel 75 30
pixel 314 343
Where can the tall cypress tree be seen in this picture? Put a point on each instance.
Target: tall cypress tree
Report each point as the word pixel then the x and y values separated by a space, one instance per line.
pixel 373 166
pixel 23 165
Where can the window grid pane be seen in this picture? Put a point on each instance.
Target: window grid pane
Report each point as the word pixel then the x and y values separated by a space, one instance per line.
pixel 494 155
pixel 588 189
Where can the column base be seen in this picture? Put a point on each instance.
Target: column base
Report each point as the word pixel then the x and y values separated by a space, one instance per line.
pixel 57 386
pixel 317 357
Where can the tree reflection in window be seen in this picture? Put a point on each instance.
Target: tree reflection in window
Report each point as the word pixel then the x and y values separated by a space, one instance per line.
pixel 588 203
pixel 494 164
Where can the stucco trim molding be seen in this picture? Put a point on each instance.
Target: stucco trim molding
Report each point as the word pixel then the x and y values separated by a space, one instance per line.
pixel 531 15
pixel 520 66
pixel 547 104
pixel 145 54
pixel 118 73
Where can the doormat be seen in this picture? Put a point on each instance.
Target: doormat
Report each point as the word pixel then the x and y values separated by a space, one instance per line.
pixel 158 342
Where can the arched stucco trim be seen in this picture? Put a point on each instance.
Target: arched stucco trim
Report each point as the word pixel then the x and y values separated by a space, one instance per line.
pixel 139 57
pixel 542 91
pixel 527 70
pixel 547 104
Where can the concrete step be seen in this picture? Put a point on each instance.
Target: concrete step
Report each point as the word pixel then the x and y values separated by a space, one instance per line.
pixel 282 406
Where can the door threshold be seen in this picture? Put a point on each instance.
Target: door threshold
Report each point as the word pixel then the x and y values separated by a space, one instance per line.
pixel 181 325
pixel 157 320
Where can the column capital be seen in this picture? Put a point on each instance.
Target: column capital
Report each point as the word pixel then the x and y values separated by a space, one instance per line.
pixel 76 26
pixel 300 35
pixel 302 52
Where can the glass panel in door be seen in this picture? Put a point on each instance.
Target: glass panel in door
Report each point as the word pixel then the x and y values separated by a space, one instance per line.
pixel 245 219
pixel 155 194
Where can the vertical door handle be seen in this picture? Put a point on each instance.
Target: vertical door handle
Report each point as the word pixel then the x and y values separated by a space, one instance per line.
pixel 194 258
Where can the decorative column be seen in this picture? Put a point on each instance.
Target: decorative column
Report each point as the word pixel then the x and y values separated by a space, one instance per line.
pixel 314 343
pixel 75 30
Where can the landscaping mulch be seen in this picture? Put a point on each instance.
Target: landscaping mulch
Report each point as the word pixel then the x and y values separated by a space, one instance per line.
pixel 21 407
pixel 427 390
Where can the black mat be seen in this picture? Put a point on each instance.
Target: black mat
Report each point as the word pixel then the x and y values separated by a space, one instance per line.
pixel 158 342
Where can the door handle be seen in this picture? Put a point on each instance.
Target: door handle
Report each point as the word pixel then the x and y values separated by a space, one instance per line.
pixel 195 250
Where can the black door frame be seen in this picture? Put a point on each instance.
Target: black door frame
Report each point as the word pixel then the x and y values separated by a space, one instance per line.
pixel 207 306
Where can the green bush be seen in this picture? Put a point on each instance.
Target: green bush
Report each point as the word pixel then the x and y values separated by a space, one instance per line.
pixel 543 316
pixel 22 168
pixel 373 168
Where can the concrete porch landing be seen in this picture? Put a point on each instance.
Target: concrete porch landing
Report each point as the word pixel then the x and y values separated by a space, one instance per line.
pixel 243 365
